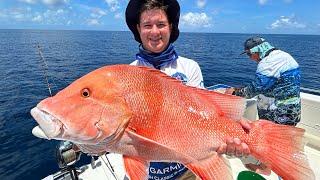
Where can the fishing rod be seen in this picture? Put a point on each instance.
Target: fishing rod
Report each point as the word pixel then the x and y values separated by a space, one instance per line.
pixel 45 68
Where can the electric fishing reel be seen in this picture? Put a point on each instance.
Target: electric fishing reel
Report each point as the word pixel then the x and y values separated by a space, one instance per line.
pixel 67 155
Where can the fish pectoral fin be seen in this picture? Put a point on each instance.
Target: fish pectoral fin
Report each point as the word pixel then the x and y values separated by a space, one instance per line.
pixel 156 151
pixel 215 167
pixel 136 169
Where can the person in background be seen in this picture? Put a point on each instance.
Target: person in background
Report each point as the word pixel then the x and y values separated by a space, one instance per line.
pixel 277 83
pixel 154 24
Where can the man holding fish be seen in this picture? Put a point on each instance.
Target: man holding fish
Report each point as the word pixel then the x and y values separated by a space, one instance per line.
pixel 148 117
pixel 154 25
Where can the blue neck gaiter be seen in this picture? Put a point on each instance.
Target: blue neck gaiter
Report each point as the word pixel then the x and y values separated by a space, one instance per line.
pixel 158 60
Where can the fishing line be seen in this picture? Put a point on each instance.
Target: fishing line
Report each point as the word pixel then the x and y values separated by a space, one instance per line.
pixel 110 167
pixel 45 68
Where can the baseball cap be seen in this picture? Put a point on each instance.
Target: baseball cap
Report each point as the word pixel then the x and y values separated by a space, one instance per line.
pixel 252 42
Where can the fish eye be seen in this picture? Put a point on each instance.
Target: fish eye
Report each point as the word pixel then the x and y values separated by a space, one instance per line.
pixel 85 92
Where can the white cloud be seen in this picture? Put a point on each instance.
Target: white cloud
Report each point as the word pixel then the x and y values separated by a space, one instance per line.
pixel 16 14
pixel 113 4
pixel 93 22
pixel 118 16
pixel 60 11
pixel 55 17
pixel 97 13
pixel 54 14
pixel 54 2
pixel 51 3
pixel 196 19
pixel 37 18
pixel 263 2
pixel 201 3
pixel 288 1
pixel 29 1
pixel 287 22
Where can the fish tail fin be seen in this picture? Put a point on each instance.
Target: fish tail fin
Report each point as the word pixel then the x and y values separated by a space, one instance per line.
pixel 214 168
pixel 281 148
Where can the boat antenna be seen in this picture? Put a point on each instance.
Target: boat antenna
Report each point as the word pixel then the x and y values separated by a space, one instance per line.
pixel 45 68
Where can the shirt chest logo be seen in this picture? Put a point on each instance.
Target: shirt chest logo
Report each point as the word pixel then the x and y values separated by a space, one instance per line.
pixel 180 76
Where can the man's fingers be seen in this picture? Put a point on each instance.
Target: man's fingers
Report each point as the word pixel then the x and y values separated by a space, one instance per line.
pixel 245 124
pixel 222 149
pixel 234 146
pixel 245 148
pixel 230 147
pixel 237 141
pixel 238 147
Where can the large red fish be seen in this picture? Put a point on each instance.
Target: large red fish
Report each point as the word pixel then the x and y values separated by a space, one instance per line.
pixel 148 116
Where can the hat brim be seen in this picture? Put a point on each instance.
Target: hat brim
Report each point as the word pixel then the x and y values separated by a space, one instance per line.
pixel 133 11
pixel 244 52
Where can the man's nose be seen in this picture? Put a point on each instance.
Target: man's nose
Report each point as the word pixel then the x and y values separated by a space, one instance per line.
pixel 155 29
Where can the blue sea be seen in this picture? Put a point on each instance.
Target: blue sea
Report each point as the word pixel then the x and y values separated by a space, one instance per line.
pixel 71 54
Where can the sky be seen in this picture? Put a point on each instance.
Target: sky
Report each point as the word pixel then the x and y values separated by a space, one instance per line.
pixel 212 16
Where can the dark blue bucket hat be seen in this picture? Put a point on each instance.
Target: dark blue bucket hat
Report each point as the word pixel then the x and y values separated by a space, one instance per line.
pixel 133 16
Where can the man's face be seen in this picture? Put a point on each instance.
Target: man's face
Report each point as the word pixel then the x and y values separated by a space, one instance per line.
pixel 255 57
pixel 154 30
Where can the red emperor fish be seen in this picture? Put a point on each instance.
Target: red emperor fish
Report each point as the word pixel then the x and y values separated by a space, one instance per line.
pixel 146 116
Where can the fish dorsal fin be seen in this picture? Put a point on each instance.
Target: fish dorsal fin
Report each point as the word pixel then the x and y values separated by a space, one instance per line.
pixel 136 169
pixel 215 167
pixel 226 105
pixel 232 107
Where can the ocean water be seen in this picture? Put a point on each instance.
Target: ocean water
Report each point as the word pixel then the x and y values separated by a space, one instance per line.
pixel 71 54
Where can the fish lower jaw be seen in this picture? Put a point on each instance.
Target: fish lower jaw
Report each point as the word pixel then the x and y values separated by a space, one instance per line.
pixel 51 126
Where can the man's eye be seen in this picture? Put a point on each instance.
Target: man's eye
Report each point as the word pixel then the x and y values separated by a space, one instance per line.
pixel 161 25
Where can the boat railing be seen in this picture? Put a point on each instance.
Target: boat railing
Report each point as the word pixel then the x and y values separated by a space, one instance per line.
pixel 310 91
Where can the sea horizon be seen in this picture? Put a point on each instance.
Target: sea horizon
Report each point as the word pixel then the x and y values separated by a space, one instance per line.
pixel 192 32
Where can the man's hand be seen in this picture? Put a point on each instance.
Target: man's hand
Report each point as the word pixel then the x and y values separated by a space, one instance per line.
pixel 234 146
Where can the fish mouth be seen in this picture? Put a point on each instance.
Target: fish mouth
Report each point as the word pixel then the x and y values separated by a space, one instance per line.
pixel 50 125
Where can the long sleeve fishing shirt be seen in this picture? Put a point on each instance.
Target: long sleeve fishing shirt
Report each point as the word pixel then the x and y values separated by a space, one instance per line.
pixel 277 84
